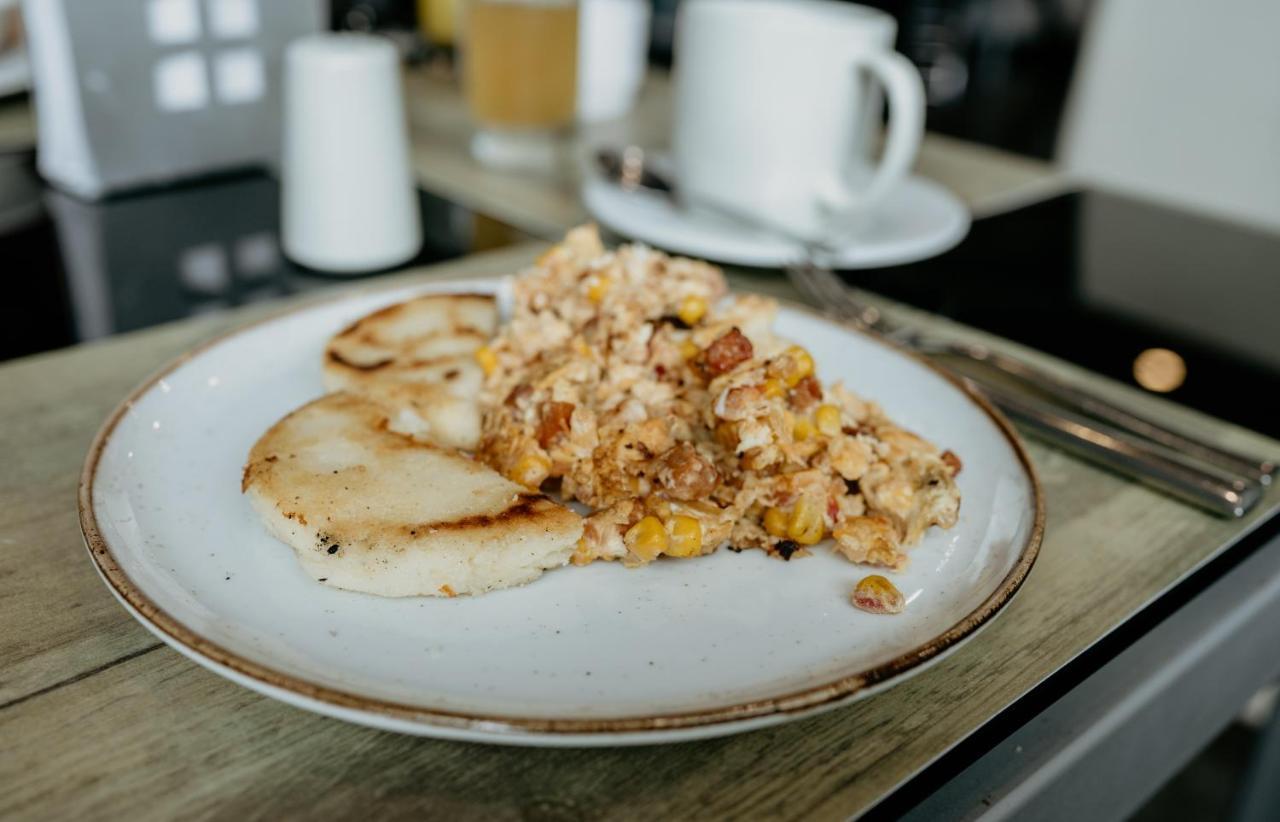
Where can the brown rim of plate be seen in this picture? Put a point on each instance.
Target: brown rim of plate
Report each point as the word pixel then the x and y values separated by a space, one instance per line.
pixel 802 701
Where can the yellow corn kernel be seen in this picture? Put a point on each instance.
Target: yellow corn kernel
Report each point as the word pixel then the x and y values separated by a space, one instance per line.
pixel 827 418
pixel 774 388
pixel 805 525
pixel 801 365
pixel 598 288
pixel 878 596
pixel 775 522
pixel 530 470
pixel 487 359
pixel 647 539
pixel 691 310
pixel 689 349
pixel 803 430
pixel 686 536
pixel 582 554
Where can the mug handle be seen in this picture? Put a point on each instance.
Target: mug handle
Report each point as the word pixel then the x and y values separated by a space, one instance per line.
pixel 905 92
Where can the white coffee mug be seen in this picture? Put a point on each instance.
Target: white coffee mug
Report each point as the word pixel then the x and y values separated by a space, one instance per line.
pixel 774 114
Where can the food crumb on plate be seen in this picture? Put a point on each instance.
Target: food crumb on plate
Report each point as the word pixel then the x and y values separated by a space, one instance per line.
pixel 875 594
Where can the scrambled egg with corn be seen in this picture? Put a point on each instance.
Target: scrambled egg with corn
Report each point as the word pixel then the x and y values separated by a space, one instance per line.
pixel 633 380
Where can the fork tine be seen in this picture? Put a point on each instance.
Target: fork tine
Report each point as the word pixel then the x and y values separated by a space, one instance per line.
pixel 833 292
pixel 818 288
pixel 801 279
pixel 836 288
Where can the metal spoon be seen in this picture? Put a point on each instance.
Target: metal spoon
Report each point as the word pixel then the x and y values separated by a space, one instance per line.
pixel 627 167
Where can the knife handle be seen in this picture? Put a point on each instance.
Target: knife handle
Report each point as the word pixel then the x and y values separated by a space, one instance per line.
pixel 1207 487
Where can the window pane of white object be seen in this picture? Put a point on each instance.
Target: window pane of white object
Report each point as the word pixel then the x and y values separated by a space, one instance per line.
pixel 203 269
pixel 171 22
pixel 181 82
pixel 256 255
pixel 239 76
pixel 233 18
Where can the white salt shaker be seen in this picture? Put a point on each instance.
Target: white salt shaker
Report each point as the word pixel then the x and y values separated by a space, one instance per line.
pixel 348 202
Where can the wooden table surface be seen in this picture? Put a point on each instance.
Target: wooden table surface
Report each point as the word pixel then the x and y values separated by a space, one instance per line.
pixel 98 719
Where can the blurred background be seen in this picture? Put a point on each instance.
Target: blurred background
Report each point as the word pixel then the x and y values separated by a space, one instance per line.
pixel 996 71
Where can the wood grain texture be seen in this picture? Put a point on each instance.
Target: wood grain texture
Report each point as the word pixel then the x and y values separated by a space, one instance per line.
pixel 54 625
pixel 197 745
pixel 100 721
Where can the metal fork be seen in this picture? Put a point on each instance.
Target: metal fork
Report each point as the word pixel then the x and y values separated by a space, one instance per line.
pixel 1226 483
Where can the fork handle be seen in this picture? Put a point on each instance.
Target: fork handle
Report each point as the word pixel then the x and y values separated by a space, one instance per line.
pixel 1207 488
pixel 1258 470
pixel 1227 484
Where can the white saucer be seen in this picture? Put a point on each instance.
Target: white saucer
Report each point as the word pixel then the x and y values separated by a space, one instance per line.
pixel 918 220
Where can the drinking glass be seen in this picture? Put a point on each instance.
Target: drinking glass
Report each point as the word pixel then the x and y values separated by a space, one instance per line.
pixel 520 68
pixel 437 21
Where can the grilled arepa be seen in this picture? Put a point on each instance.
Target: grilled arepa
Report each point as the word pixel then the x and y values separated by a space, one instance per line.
pixel 367 509
pixel 417 359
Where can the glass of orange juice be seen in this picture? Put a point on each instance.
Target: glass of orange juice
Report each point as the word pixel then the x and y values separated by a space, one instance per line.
pixel 520 71
pixel 437 21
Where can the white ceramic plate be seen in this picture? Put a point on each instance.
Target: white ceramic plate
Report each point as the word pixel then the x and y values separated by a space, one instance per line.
pixel 918 220
pixel 600 655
